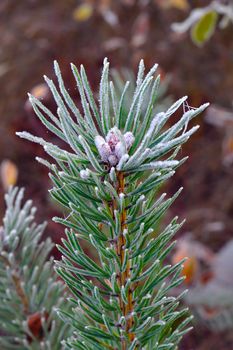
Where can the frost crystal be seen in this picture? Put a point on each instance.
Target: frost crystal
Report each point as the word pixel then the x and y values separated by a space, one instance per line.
pixel 84 174
pixel 115 146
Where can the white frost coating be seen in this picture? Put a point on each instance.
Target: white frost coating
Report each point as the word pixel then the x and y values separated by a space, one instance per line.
pixel 99 141
pixel 122 161
pixel 129 139
pixel 85 174
pixel 112 137
pixel 119 150
pixel 133 159
pixel 125 232
pixel 164 163
pixel 150 130
pixel 113 174
pixel 112 159
pixel 103 148
pixel 159 165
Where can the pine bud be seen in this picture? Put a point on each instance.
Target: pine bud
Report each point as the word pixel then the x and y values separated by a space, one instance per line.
pixel 129 139
pixel 113 160
pixel 119 150
pixel 112 138
pixel 114 147
pixel 103 148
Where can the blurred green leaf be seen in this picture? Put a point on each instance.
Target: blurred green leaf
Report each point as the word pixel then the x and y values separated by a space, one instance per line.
pixel 204 28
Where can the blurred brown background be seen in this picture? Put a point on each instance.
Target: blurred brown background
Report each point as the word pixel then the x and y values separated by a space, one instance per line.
pixel 35 32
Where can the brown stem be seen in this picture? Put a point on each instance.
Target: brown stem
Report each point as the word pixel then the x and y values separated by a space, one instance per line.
pixel 127 309
pixel 20 291
pixel 17 283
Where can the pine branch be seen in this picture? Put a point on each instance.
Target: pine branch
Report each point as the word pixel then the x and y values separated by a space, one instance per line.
pixel 29 291
pixel 119 157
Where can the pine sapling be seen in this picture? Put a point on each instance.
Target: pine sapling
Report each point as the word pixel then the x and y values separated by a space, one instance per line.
pixel 29 290
pixel 108 180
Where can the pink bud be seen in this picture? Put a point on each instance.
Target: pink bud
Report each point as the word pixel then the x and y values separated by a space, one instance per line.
pixel 113 160
pixel 112 138
pixel 103 148
pixel 129 139
pixel 99 141
pixel 119 150
pixel 112 149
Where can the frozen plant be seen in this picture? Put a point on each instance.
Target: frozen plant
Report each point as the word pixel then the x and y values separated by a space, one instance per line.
pixel 29 290
pixel 108 181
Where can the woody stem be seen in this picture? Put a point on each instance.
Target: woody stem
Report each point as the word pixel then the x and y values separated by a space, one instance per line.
pixel 126 308
pixel 17 283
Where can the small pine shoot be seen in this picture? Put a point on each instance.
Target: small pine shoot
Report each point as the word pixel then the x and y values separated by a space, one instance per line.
pixel 29 290
pixel 108 180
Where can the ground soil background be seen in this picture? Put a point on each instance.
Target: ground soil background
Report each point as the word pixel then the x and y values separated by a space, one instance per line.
pixel 34 33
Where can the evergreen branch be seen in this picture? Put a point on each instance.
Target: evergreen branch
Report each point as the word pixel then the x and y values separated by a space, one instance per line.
pixel 29 290
pixel 120 155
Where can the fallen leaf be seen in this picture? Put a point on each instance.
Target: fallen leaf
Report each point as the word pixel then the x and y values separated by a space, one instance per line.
pixel 9 174
pixel 83 12
pixel 204 28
